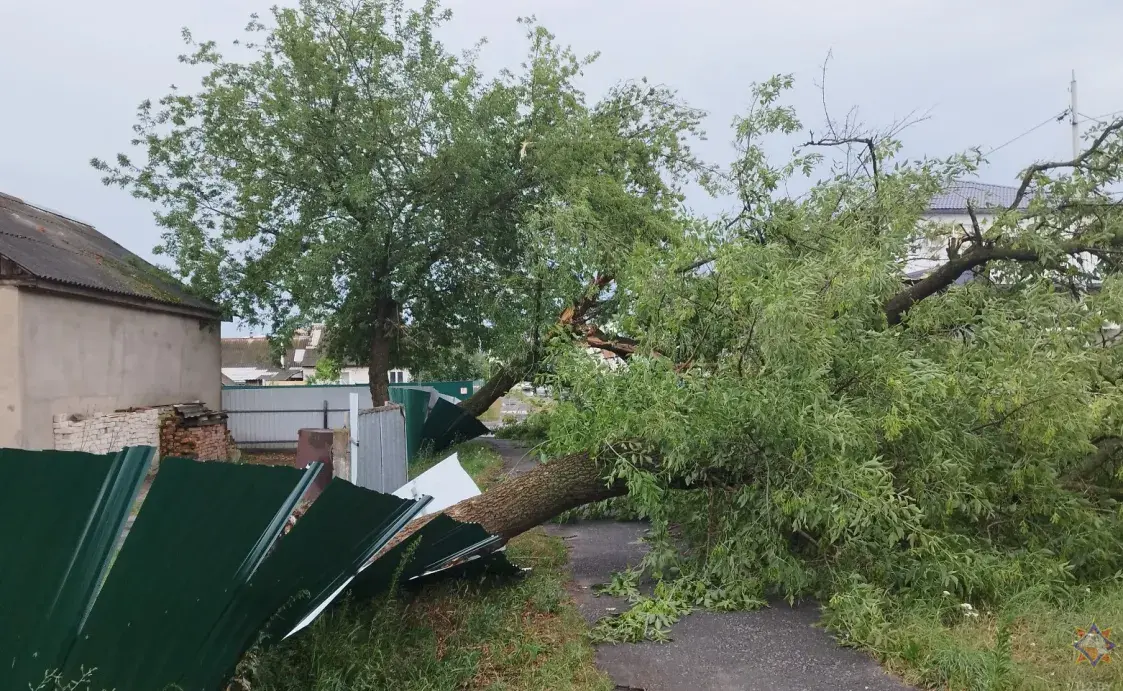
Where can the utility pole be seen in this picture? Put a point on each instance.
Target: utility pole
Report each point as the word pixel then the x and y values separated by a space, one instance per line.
pixel 1075 122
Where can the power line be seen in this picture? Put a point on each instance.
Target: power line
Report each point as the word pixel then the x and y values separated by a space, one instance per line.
pixel 1099 118
pixel 1051 118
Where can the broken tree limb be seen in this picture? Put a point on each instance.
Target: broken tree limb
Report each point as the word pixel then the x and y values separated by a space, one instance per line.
pixel 499 384
pixel 521 368
pixel 623 347
pixel 946 274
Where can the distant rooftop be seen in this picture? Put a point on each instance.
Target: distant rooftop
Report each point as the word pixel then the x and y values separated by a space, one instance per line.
pixel 53 248
pixel 983 197
pixel 249 353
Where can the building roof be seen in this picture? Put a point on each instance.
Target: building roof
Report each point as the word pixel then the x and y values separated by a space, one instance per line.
pixel 54 248
pixel 252 352
pixel 983 196
pixel 302 354
pixel 240 375
pixel 245 359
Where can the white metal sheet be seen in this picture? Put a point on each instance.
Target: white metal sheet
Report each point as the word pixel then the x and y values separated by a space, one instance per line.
pixel 447 483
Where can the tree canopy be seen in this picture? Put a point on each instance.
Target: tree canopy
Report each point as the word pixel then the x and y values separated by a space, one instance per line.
pixel 349 169
pixel 844 432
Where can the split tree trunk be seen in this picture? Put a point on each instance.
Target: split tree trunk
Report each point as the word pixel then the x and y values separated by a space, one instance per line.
pixel 498 385
pixel 385 323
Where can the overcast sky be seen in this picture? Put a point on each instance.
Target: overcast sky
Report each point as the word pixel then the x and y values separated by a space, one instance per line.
pixel 73 71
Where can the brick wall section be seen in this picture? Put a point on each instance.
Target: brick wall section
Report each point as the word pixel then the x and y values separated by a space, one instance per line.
pixel 107 432
pixel 198 434
pixel 209 441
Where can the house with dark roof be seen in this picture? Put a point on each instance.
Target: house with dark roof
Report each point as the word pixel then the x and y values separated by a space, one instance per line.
pixel 250 362
pixel 986 199
pixel 948 209
pixel 91 328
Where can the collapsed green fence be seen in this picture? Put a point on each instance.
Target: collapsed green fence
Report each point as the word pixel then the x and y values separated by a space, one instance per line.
pixel 433 423
pixel 203 573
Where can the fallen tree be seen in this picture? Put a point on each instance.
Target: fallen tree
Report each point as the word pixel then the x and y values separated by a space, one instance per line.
pixel 798 418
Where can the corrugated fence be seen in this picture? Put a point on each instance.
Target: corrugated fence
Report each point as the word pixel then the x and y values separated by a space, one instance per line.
pixel 203 573
pixel 380 449
pixel 269 417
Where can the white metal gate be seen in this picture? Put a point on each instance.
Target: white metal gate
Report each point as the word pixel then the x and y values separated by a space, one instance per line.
pixel 379 447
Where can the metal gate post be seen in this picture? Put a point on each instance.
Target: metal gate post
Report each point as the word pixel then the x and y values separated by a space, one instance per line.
pixel 354 444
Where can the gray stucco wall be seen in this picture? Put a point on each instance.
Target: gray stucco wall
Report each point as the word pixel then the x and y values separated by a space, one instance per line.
pixel 11 375
pixel 83 356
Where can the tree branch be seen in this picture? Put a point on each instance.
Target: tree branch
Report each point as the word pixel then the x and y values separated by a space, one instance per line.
pixel 945 275
pixel 1035 169
pixel 868 142
pixel 1013 412
pixel 978 231
pixel 623 347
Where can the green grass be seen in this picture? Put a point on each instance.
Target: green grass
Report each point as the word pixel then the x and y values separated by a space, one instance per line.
pixel 526 635
pixel 477 459
pixel 1027 647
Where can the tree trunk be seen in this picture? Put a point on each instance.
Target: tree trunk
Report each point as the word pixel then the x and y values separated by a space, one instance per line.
pixel 523 502
pixel 498 385
pixel 385 323
pixel 516 505
pixel 517 370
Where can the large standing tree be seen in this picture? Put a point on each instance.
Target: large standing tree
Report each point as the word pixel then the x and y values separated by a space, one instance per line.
pixel 344 166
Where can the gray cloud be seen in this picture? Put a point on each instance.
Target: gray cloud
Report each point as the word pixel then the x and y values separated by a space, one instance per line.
pixel 73 72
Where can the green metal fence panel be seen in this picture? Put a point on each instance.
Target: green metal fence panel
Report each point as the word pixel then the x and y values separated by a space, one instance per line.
pixel 449 424
pixel 428 548
pixel 60 515
pixel 202 572
pixel 416 405
pixel 355 524
pixel 444 539
pixel 460 390
pixel 200 528
pixel 342 529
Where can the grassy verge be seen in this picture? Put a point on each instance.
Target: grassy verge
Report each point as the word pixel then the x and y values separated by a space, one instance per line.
pixel 1027 647
pixel 525 635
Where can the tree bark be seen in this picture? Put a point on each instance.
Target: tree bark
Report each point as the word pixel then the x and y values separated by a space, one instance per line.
pixel 523 502
pixel 516 505
pixel 498 385
pixel 515 371
pixel 378 369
